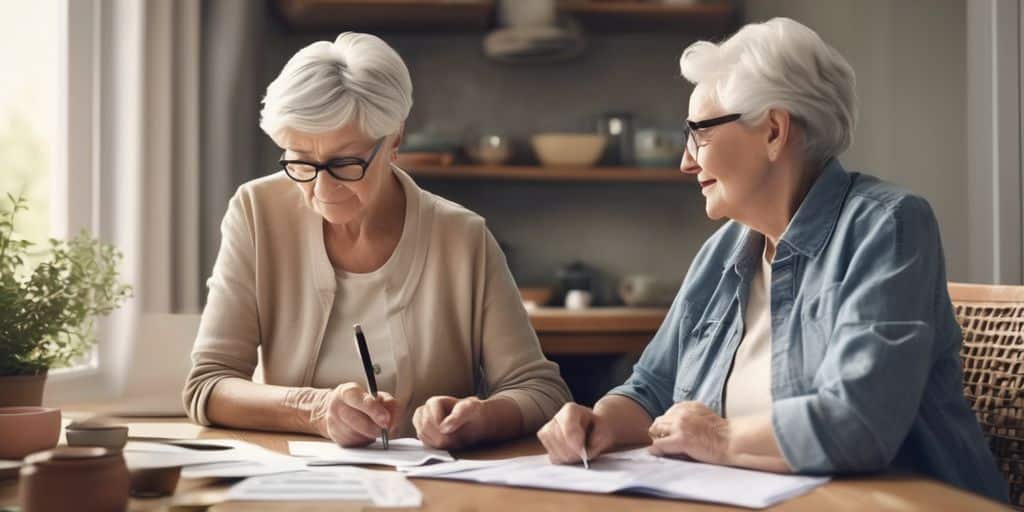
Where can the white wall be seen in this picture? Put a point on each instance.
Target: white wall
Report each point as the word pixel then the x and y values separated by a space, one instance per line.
pixel 910 60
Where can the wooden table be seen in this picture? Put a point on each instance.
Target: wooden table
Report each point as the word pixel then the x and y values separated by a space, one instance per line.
pixel 903 493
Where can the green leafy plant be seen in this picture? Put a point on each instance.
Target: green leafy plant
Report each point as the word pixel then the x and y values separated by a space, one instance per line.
pixel 47 313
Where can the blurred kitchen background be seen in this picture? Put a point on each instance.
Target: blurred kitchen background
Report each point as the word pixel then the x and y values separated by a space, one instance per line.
pixel 507 97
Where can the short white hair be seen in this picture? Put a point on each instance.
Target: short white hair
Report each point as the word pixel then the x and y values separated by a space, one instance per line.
pixel 784 65
pixel 357 78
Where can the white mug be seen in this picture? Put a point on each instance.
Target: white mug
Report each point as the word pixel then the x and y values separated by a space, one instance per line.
pixel 577 299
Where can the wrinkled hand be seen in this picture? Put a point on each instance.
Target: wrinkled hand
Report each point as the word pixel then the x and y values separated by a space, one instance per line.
pixel 450 423
pixel 350 416
pixel 691 430
pixel 572 428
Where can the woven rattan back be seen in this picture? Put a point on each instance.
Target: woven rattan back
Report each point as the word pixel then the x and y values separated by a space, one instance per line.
pixel 992 319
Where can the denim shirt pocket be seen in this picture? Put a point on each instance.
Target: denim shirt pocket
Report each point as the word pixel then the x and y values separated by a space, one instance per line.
pixel 818 318
pixel 693 363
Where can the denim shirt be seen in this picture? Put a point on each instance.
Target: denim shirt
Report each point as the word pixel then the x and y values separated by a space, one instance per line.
pixel 865 365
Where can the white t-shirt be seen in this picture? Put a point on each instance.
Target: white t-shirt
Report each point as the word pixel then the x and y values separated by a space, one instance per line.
pixel 748 388
pixel 359 299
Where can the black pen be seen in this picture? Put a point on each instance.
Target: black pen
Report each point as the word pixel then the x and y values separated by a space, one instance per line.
pixel 371 382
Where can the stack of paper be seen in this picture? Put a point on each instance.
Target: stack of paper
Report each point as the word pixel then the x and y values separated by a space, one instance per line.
pixel 221 458
pixel 382 488
pixel 633 471
pixel 402 452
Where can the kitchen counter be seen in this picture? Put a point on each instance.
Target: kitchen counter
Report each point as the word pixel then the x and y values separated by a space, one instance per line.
pixel 595 331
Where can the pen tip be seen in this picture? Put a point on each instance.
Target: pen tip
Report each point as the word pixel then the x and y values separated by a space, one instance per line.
pixel 357 328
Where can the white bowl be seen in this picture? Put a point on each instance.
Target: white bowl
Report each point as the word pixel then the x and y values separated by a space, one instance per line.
pixel 568 149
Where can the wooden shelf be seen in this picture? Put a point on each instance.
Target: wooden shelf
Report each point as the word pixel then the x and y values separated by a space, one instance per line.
pixel 702 19
pixel 533 173
pixel 709 19
pixel 595 331
pixel 399 15
pixel 597 320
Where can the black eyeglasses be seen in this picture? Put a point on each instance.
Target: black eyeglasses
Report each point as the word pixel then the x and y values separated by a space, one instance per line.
pixel 691 131
pixel 346 168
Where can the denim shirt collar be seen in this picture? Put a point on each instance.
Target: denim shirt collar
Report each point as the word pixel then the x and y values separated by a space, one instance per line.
pixel 813 223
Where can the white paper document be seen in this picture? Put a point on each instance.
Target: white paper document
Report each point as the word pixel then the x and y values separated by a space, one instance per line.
pixel 633 471
pixel 224 458
pixel 400 452
pixel 382 488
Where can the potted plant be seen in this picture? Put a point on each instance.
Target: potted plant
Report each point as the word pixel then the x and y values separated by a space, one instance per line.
pixel 48 309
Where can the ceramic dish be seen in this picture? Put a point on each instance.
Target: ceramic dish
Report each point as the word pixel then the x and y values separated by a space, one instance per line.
pixel 95 432
pixel 26 430
pixel 568 149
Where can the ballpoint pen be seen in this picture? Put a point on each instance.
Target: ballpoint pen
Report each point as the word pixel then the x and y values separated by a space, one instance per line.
pixel 371 382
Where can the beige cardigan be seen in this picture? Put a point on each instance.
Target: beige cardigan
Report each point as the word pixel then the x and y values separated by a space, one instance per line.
pixel 456 319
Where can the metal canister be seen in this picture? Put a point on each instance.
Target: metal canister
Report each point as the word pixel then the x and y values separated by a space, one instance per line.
pixel 618 127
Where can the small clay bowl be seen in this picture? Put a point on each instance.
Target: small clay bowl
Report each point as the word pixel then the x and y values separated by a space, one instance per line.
pixel 154 482
pixel 26 430
pixel 97 432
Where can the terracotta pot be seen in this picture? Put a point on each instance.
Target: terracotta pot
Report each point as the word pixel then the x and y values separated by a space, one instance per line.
pixel 22 389
pixel 83 479
pixel 26 430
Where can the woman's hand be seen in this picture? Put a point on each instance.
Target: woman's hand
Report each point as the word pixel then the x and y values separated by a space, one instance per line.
pixel 691 430
pixel 450 423
pixel 573 428
pixel 350 416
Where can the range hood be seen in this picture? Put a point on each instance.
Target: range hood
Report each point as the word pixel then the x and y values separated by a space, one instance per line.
pixel 530 32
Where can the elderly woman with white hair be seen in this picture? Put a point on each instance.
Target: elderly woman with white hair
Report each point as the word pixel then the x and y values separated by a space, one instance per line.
pixel 813 332
pixel 341 236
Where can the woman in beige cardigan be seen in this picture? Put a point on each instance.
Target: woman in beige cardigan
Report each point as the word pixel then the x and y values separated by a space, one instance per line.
pixel 305 254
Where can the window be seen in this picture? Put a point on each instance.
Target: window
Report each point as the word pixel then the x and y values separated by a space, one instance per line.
pixel 29 111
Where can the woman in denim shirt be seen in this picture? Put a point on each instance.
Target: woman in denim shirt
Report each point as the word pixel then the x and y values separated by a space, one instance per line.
pixel 813 333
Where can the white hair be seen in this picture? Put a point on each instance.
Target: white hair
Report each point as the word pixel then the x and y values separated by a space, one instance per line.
pixel 785 65
pixel 357 78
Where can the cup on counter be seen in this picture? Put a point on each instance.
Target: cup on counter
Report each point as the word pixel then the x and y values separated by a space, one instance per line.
pixel 490 148
pixel 578 299
pixel 641 290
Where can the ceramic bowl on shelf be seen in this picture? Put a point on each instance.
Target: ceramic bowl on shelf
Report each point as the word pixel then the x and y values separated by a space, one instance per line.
pixel 536 297
pixel 659 148
pixel 568 149
pixel 25 430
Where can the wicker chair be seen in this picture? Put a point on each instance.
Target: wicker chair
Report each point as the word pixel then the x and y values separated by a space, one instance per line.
pixel 992 319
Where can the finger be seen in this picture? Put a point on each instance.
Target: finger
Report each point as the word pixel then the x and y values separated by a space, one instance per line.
pixel 674 445
pixel 573 429
pixel 545 437
pixel 391 405
pixel 357 421
pixel 356 398
pixel 437 409
pixel 462 413
pixel 660 427
pixel 560 452
pixel 430 434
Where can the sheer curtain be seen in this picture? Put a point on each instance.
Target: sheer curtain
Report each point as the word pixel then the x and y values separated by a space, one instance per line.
pixel 133 141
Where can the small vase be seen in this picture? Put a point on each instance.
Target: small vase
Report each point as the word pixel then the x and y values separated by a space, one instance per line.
pixel 22 390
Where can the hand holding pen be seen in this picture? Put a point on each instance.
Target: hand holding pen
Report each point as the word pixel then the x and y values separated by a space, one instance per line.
pixel 352 417
pixel 574 435
pixel 350 414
